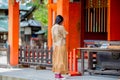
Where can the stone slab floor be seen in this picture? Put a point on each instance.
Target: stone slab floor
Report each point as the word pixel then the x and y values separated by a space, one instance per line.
pixel 32 74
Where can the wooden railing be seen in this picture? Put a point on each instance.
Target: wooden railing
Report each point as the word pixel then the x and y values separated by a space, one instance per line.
pixel 43 57
pixel 35 56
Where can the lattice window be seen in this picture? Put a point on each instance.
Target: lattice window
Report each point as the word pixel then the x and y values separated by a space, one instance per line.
pixel 96 15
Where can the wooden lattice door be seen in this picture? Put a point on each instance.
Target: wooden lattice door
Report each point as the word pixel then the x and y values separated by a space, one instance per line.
pixel 96 16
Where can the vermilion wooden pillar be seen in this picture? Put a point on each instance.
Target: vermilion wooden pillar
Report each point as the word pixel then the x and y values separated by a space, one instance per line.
pixel 13 32
pixel 74 25
pixel 49 23
pixel 51 16
pixel 113 19
pixel 63 9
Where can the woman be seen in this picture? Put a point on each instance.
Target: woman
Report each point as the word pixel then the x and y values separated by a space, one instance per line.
pixel 60 63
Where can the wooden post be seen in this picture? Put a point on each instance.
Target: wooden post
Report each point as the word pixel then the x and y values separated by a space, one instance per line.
pixel 73 63
pixel 63 9
pixel 13 31
pixel 70 59
pixel 113 19
pixel 49 23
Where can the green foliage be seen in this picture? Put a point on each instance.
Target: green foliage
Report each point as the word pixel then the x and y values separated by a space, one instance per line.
pixel 41 12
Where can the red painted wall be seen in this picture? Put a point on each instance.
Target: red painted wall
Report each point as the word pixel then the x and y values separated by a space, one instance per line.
pixel 114 20
pixel 95 36
pixel 74 25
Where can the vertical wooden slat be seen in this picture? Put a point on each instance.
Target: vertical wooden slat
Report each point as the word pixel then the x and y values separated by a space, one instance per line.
pixel 20 54
pixel 99 20
pixel 102 20
pixel 29 52
pixel 106 14
pixel 25 52
pixel 8 54
pixel 51 52
pixel 105 19
pixel 70 62
pixel 94 20
pixel 46 56
pixel 88 14
pixel 86 26
pixel 32 55
pixel 42 55
pixel 91 15
pixel 91 19
pixel 88 19
pixel 37 55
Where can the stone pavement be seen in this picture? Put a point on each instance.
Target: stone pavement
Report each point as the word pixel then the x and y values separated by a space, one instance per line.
pixel 32 74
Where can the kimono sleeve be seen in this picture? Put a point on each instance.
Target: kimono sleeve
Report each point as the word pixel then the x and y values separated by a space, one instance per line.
pixel 64 32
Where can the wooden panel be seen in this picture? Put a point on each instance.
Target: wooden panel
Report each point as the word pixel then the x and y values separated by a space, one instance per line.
pixel 95 36
pixel 114 20
pixel 74 26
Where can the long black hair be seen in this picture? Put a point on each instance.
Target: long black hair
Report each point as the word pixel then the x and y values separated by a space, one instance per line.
pixel 58 19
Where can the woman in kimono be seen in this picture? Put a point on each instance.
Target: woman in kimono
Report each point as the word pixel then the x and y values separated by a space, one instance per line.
pixel 59 58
